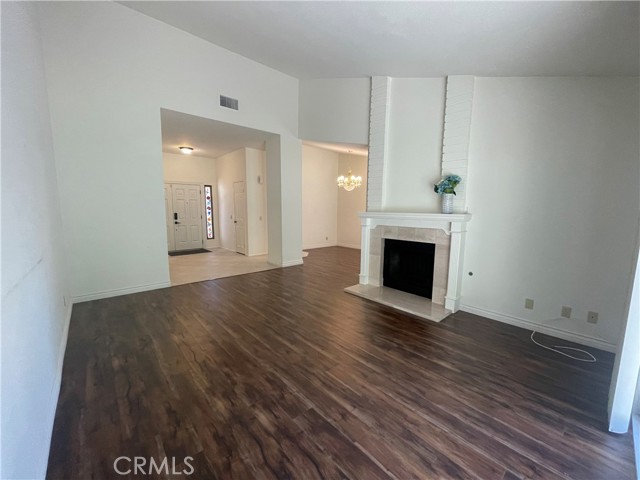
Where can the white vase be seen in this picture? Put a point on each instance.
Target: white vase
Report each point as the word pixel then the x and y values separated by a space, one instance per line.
pixel 447 202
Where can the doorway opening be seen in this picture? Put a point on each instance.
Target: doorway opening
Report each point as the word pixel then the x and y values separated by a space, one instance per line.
pixel 216 198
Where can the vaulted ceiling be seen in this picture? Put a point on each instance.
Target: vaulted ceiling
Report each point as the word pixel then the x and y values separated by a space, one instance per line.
pixel 417 39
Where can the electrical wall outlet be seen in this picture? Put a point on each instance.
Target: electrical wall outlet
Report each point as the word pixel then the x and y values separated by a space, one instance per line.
pixel 566 312
pixel 528 303
pixel 592 317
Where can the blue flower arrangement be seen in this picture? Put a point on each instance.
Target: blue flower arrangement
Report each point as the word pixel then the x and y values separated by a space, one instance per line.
pixel 447 185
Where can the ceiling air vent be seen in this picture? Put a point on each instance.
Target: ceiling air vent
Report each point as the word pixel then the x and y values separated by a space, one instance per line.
pixel 229 102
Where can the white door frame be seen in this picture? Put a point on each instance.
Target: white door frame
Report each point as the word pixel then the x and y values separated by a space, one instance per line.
pixel 627 363
pixel 244 219
pixel 168 206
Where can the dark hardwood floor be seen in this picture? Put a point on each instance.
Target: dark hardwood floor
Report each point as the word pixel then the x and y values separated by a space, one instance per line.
pixel 280 374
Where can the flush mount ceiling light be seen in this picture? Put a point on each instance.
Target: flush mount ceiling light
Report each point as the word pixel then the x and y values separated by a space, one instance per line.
pixel 350 181
pixel 186 150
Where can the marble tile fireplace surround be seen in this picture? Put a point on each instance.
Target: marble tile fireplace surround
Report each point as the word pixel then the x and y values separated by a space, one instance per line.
pixel 446 231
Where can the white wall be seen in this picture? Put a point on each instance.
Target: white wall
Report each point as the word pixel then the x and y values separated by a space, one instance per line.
pixel 414 144
pixel 34 316
pixel 231 169
pixel 553 189
pixel 319 197
pixel 351 203
pixel 335 110
pixel 179 168
pixel 244 165
pixel 110 70
pixel 256 182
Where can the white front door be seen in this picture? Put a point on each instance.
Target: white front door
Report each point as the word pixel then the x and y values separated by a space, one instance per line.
pixel 239 209
pixel 168 208
pixel 187 212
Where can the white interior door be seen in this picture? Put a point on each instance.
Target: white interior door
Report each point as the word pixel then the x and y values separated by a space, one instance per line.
pixel 187 213
pixel 168 208
pixel 239 215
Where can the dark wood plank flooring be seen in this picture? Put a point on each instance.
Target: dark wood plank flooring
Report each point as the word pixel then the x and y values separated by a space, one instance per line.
pixel 280 374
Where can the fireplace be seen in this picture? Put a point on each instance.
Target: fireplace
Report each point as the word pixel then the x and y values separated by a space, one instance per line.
pixel 445 234
pixel 408 266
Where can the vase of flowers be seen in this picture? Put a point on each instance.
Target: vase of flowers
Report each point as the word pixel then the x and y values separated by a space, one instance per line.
pixel 446 188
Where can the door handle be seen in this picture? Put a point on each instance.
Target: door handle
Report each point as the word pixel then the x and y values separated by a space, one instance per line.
pixel 235 221
pixel 176 223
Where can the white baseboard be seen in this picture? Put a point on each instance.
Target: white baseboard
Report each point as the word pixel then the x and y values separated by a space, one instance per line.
pixel 120 291
pixel 350 245
pixel 529 325
pixel 319 245
pixel 292 263
pixel 55 391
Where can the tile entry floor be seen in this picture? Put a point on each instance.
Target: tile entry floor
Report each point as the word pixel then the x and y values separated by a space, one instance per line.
pixel 218 263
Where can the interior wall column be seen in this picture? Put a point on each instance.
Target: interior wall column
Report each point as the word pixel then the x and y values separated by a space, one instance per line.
pixel 378 141
pixel 457 130
pixel 284 200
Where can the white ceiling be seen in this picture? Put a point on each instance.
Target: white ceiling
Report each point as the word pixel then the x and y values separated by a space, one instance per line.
pixel 209 138
pixel 321 39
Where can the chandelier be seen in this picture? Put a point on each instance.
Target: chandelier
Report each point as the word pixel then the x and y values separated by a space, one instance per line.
pixel 349 182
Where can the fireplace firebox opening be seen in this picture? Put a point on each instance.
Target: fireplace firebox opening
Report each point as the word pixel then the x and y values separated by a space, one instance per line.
pixel 408 266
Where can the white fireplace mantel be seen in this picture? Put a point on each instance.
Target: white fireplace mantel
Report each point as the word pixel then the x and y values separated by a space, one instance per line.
pixel 453 225
pixel 443 221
